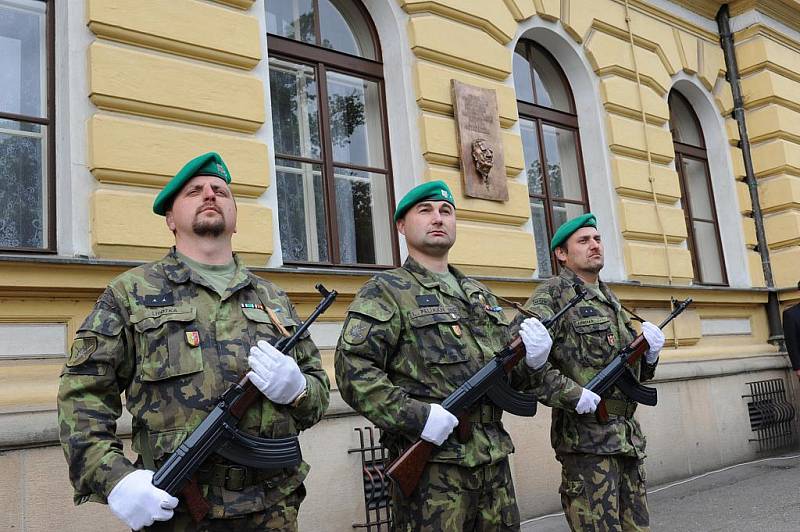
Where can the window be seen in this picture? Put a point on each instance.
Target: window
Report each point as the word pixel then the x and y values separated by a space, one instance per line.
pixel 691 162
pixel 334 181
pixel 27 132
pixel 551 146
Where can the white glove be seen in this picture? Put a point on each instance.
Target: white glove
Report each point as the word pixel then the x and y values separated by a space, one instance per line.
pixel 537 342
pixel 137 503
pixel 655 338
pixel 439 425
pixel 275 374
pixel 588 402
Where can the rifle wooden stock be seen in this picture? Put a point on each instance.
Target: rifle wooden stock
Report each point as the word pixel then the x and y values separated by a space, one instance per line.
pixel 197 504
pixel 602 412
pixel 637 348
pixel 249 396
pixel 407 469
pixel 464 429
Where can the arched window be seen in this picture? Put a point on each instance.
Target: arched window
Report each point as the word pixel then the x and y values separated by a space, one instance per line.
pixel 27 126
pixel 700 212
pixel 551 145
pixel 331 142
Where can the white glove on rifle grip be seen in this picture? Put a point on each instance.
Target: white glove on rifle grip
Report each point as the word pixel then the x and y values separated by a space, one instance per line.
pixel 588 402
pixel 537 342
pixel 655 338
pixel 277 376
pixel 137 503
pixel 439 426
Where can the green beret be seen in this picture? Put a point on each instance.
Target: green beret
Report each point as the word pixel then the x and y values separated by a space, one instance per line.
pixel 207 164
pixel 432 190
pixel 570 226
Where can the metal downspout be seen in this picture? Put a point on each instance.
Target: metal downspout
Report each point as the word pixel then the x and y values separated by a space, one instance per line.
pixel 732 75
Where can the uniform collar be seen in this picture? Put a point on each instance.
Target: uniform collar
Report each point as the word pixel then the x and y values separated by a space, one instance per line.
pixel 423 275
pixel 428 279
pixel 572 278
pixel 179 272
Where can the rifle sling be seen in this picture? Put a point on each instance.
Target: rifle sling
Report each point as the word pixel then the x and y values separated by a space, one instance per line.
pixel 142 438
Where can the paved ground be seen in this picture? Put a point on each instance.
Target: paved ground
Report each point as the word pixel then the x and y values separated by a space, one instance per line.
pixel 758 496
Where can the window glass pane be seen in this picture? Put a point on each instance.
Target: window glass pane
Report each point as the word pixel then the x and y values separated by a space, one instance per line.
pixel 530 150
pixel 694 172
pixel 565 211
pixel 545 266
pixel 344 29
pixel 522 76
pixel 708 252
pixel 551 90
pixel 22 59
pixel 682 122
pixel 301 211
pixel 22 128
pixel 560 151
pixel 22 186
pixel 295 116
pixel 356 126
pixel 362 215
pixel 293 19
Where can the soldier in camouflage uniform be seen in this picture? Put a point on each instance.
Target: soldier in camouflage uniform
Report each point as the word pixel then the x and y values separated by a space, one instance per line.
pixel 174 335
pixel 411 337
pixel 603 476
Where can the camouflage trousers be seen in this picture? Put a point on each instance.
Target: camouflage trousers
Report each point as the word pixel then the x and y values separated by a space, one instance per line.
pixel 281 517
pixel 451 497
pixel 604 493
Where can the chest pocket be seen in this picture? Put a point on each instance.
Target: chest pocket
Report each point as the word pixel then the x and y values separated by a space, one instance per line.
pixel 593 334
pixel 438 333
pixel 498 332
pixel 261 327
pixel 168 344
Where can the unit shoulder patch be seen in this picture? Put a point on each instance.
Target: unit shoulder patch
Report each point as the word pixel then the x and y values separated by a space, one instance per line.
pixel 82 349
pixel 356 330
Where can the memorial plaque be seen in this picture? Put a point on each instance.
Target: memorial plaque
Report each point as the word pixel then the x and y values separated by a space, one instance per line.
pixel 483 168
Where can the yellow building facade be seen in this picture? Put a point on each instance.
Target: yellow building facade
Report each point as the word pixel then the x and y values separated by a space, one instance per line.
pixel 317 105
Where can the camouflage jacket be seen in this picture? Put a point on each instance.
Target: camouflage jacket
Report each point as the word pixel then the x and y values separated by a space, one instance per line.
pixel 161 334
pixel 585 340
pixel 409 341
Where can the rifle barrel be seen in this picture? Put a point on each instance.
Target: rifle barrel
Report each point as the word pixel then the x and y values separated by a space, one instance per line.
pixel 674 314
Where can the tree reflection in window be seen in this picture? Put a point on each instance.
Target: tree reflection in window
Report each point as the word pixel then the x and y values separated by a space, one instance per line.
pixel 551 145
pixel 328 119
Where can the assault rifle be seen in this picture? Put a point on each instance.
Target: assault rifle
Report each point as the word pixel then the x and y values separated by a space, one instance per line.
pixel 617 373
pixel 491 381
pixel 218 434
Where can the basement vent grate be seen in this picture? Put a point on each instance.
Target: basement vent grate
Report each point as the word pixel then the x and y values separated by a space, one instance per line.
pixel 377 499
pixel 771 414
